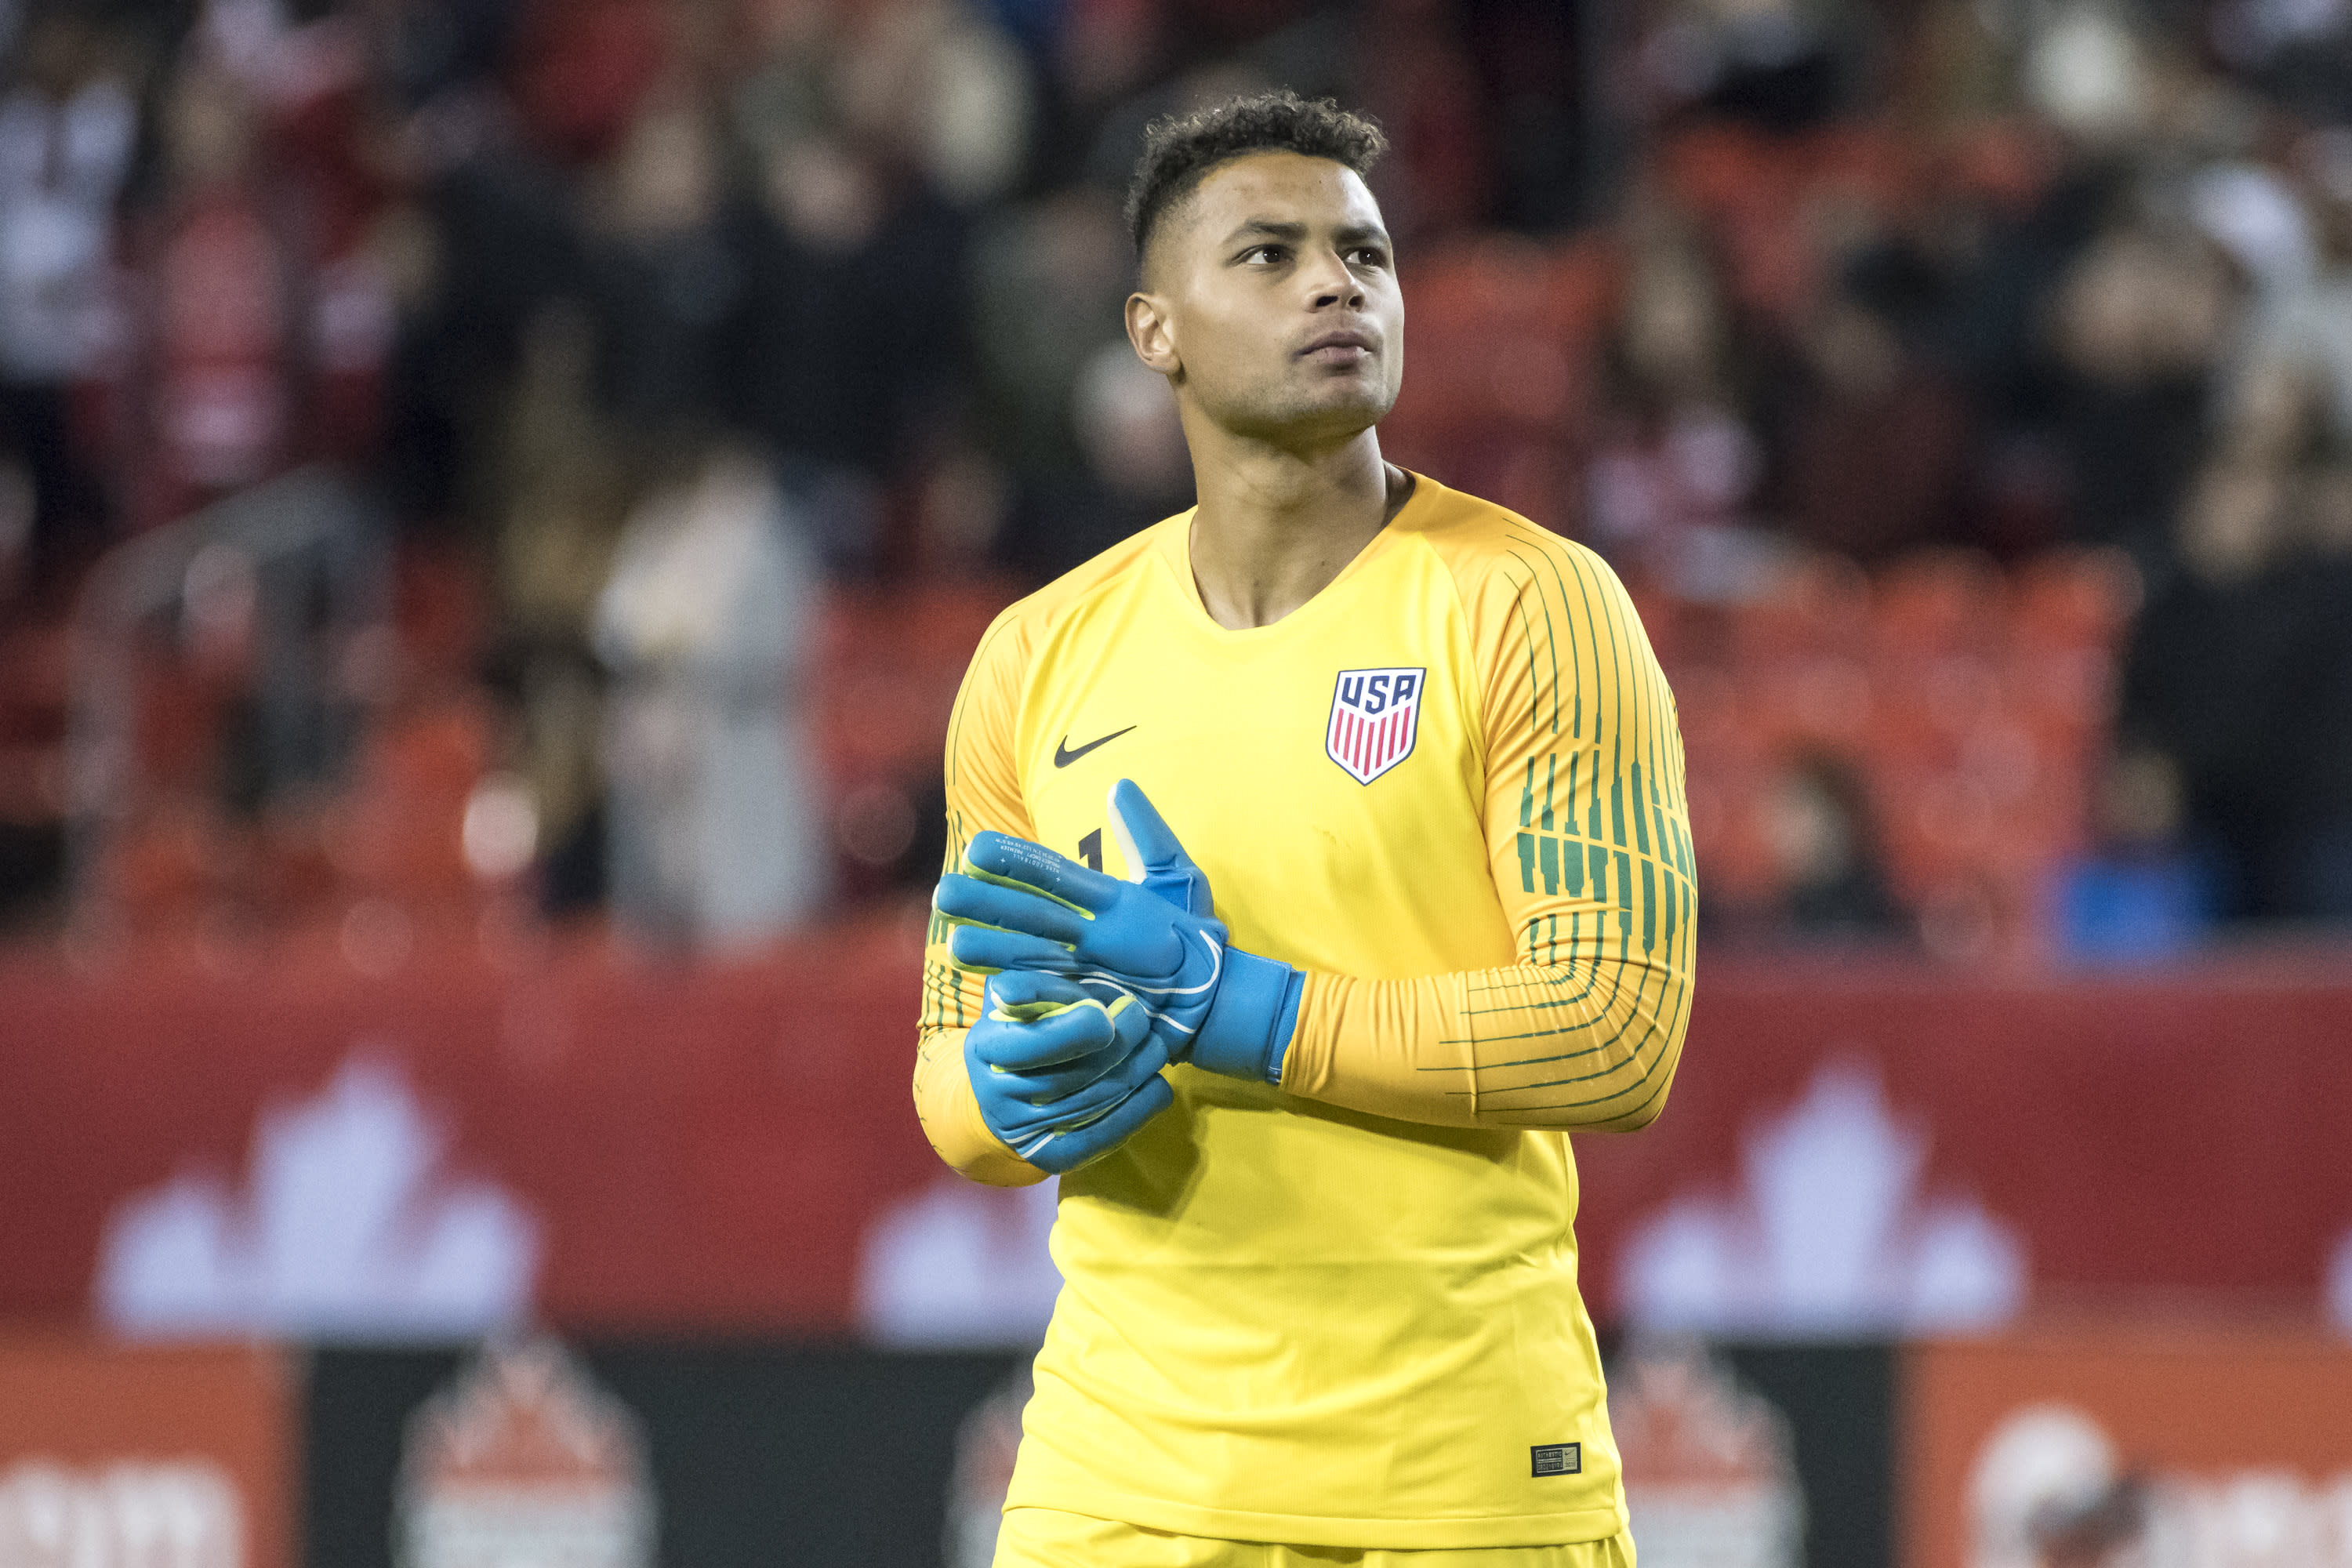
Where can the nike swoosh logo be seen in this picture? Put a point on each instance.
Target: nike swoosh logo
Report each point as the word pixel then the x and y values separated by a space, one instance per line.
pixel 1064 757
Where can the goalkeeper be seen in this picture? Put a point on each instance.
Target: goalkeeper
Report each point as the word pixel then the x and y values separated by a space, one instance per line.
pixel 1317 862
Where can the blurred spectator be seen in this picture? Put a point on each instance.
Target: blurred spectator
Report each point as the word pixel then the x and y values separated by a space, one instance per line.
pixel 2141 895
pixel 1770 62
pixel 1408 68
pixel 1805 862
pixel 2300 51
pixel 564 493
pixel 2307 323
pixel 2086 66
pixel 718 838
pixel 581 69
pixel 67 127
pixel 1875 434
pixel 1105 50
pixel 2141 323
pixel 854 345
pixel 1050 281
pixel 1676 464
pixel 1137 469
pixel 489 246
pixel 19 506
pixel 215 387
pixel 1081 425
pixel 2252 216
pixel 427 55
pixel 934 86
pixel 1997 274
pixel 664 266
pixel 2236 677
pixel 1834 880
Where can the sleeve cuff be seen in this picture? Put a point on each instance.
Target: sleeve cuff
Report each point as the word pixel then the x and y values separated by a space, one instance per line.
pixel 1247 1032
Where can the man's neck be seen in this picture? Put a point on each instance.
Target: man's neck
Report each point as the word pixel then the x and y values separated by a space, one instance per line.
pixel 1275 527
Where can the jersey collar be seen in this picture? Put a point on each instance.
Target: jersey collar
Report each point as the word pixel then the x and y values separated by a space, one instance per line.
pixel 1173 547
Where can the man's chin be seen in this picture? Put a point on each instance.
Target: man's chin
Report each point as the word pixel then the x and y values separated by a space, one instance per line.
pixel 1328 414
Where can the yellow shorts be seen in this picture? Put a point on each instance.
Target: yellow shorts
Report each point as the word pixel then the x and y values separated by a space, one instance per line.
pixel 1048 1538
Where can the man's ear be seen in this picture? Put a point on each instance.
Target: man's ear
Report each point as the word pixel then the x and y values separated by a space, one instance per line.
pixel 1153 334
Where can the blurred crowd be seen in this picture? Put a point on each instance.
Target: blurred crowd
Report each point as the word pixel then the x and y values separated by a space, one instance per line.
pixel 710 366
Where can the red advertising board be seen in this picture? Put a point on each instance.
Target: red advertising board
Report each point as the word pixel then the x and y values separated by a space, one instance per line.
pixel 693 1147
pixel 673 1147
pixel 116 1455
pixel 2166 1447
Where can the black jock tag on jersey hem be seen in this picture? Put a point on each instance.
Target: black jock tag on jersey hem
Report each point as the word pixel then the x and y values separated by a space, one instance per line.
pixel 1558 1459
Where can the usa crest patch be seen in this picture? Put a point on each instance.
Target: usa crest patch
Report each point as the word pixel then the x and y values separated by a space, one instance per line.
pixel 1375 715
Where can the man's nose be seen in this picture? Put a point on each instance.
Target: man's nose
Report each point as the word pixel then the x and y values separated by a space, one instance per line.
pixel 1334 282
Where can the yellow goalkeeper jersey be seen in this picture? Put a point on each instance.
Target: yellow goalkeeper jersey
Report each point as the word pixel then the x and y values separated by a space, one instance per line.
pixel 1344 1311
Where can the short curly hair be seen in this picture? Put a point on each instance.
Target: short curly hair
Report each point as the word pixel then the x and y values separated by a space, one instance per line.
pixel 1180 149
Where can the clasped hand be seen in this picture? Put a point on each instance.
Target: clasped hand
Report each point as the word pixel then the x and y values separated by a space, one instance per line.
pixel 1151 948
pixel 1060 1076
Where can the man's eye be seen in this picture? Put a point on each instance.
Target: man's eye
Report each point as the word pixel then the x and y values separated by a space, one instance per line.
pixel 1264 253
pixel 1371 255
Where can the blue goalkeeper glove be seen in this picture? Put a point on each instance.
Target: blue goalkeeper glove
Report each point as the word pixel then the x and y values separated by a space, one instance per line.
pixel 1018 905
pixel 1061 1078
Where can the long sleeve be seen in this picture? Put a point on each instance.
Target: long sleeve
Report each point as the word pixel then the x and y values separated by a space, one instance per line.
pixel 1588 842
pixel 982 791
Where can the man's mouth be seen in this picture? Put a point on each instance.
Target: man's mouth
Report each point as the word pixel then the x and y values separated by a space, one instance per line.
pixel 1342 347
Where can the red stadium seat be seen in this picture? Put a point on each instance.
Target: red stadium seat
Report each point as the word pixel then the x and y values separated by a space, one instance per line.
pixel 1940 602
pixel 1818 606
pixel 1503 333
pixel 400 831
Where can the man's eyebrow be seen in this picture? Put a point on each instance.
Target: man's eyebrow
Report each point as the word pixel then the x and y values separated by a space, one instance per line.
pixel 1271 229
